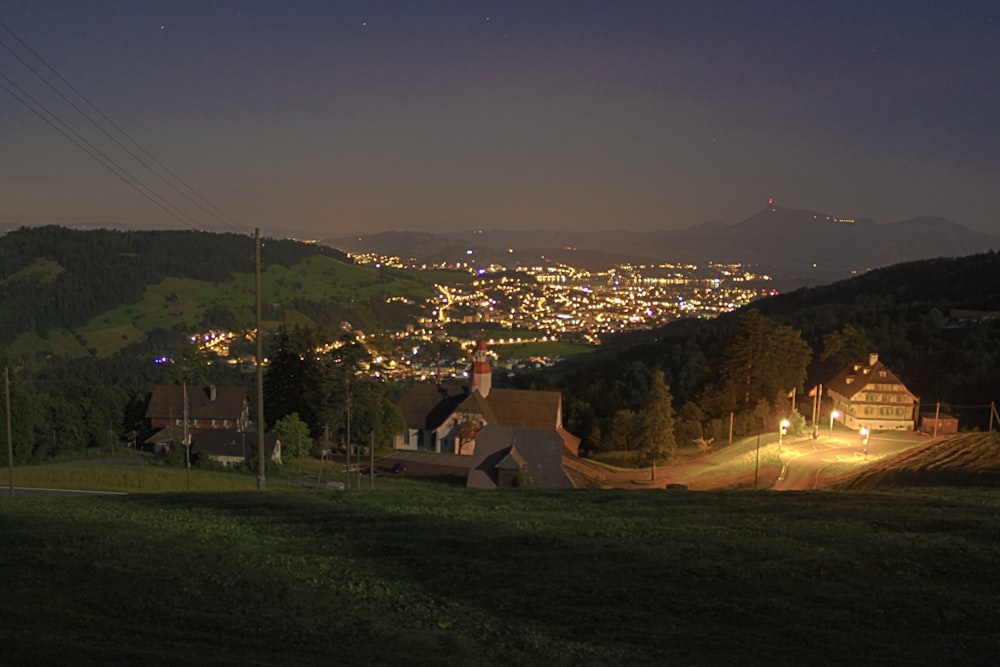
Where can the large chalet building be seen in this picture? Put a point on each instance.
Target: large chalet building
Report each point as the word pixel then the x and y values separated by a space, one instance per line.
pixel 867 394
pixel 446 417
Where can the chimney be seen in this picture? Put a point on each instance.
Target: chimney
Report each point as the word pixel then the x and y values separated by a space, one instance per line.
pixel 873 358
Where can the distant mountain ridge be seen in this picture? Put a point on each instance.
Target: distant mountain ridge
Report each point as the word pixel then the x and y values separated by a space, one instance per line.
pixel 787 242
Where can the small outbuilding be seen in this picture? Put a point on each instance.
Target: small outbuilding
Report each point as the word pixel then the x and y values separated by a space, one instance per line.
pixel 509 456
pixel 941 424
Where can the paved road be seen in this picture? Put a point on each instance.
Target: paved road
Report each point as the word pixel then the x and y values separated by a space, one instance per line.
pixel 805 459
pixel 26 491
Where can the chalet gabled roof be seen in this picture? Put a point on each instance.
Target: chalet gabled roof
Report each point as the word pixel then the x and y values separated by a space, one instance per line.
pixel 426 405
pixel 853 378
pixel 205 403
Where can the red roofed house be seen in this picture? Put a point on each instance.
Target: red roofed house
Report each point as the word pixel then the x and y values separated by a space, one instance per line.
pixel 445 418
pixel 867 394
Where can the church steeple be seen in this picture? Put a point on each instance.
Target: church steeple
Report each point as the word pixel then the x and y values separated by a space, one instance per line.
pixel 482 375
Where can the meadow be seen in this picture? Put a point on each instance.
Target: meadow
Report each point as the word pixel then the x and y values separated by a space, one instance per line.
pixel 423 573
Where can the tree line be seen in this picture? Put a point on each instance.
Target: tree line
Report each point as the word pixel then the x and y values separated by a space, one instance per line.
pixel 88 272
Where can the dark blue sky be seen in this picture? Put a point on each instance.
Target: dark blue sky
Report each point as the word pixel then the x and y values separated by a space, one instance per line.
pixel 339 117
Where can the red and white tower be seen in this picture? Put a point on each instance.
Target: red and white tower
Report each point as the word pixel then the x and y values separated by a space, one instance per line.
pixel 482 375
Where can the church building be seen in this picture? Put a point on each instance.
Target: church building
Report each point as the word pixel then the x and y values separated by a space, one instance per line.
pixel 445 417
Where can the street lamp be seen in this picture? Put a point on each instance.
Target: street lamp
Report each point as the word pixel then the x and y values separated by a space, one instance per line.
pixel 833 415
pixel 864 440
pixel 782 431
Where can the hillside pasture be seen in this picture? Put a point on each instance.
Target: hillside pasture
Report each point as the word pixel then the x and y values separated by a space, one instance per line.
pixel 177 300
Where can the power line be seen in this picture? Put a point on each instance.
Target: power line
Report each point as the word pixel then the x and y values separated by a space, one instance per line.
pixel 230 223
pixel 95 153
pixel 191 195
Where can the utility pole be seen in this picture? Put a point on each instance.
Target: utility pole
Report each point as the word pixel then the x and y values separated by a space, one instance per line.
pixel 322 458
pixel 10 442
pixel 756 463
pixel 347 435
pixel 187 440
pixel 261 463
pixel 371 462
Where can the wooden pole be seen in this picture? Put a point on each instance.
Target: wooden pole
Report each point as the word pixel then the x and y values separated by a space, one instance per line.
pixel 10 441
pixel 937 413
pixel 187 440
pixel 261 463
pixel 347 435
pixel 756 463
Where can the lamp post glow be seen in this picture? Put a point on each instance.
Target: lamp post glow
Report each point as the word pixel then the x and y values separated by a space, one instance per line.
pixel 782 431
pixel 864 440
pixel 833 415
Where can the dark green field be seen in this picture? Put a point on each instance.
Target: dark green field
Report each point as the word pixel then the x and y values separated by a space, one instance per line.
pixel 426 574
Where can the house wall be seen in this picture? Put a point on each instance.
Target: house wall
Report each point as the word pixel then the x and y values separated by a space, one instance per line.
pixel 945 425
pixel 877 407
pixel 409 440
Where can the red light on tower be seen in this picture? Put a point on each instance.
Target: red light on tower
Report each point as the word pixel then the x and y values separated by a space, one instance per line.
pixel 770 201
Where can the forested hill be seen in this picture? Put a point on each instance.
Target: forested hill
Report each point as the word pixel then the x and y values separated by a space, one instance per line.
pixel 933 323
pixel 58 277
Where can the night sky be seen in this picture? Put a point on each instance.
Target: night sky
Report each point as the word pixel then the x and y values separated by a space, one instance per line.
pixel 332 117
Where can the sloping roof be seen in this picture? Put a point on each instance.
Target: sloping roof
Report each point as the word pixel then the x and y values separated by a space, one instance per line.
pixel 232 443
pixel 852 379
pixel 426 405
pixel 164 435
pixel 167 402
pixel 476 404
pixel 570 441
pixel 511 461
pixel 538 451
pixel 523 407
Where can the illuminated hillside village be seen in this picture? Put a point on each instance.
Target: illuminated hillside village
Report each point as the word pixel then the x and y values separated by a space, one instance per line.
pixel 541 303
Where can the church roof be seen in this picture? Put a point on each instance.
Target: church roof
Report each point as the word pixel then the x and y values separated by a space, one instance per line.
pixel 512 461
pixel 524 407
pixel 477 404
pixel 426 405
pixel 536 451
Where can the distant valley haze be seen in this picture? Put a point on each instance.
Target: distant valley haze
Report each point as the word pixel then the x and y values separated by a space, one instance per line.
pixel 797 246
pixel 806 246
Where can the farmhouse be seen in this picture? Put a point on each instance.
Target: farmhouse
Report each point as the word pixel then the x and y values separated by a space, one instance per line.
pixel 207 408
pixel 867 394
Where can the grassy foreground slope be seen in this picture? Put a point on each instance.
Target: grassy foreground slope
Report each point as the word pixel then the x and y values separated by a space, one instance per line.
pixel 421 574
